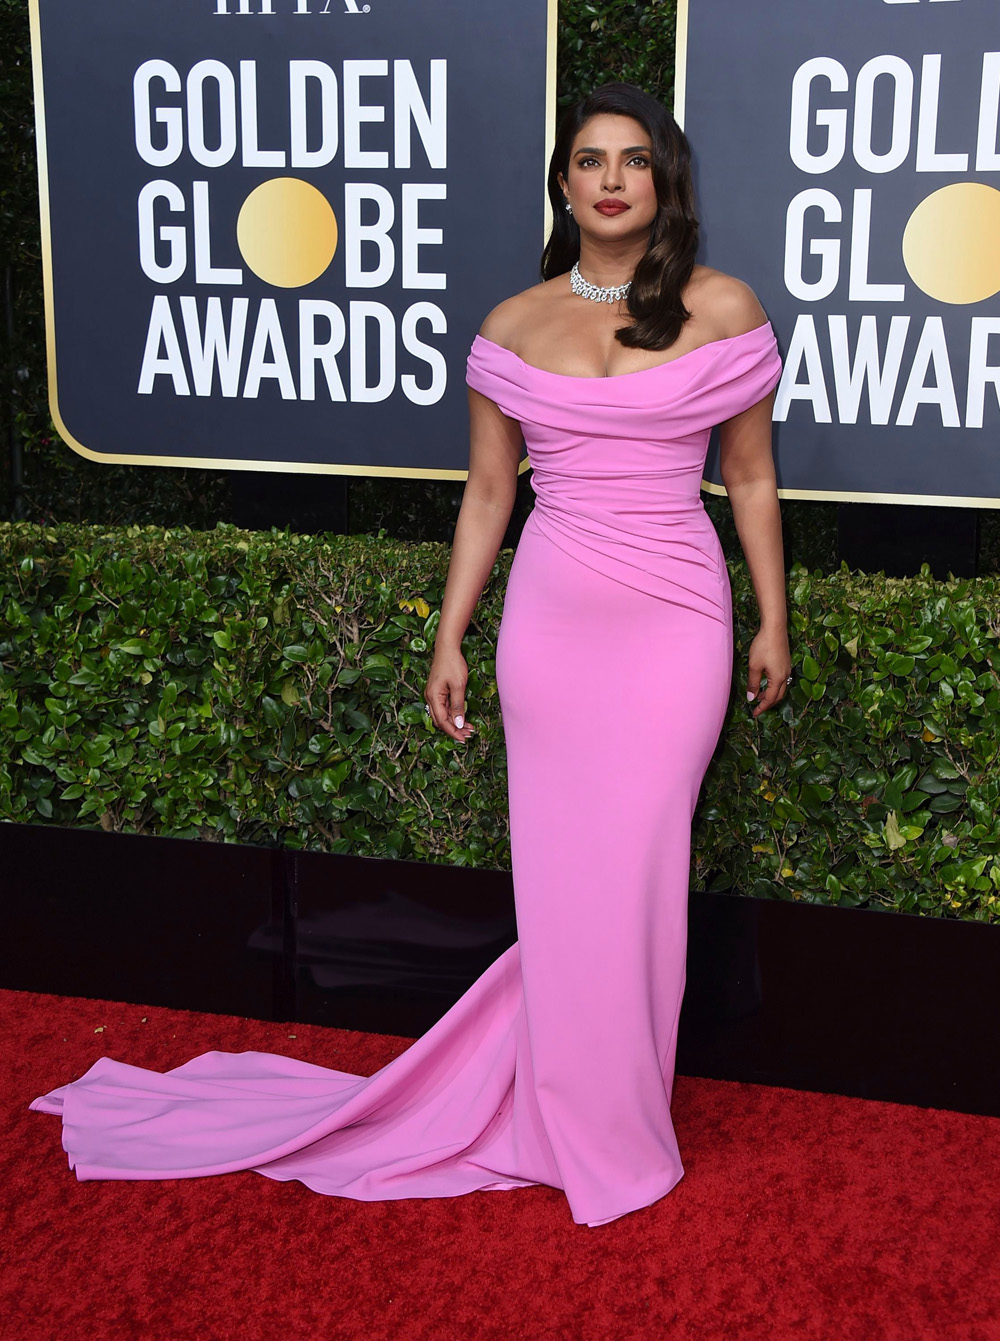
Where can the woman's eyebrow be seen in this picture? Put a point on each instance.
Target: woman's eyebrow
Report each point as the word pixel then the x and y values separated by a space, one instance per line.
pixel 631 149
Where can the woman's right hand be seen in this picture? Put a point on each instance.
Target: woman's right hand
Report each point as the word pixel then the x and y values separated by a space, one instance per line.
pixel 444 694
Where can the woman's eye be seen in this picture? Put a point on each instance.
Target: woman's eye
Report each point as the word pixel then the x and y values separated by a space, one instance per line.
pixel 640 159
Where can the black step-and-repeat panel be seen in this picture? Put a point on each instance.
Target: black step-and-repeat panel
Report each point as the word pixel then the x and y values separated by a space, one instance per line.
pixel 271 228
pixel 848 168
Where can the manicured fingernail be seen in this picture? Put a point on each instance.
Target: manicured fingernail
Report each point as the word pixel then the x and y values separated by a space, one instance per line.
pixel 750 696
pixel 459 721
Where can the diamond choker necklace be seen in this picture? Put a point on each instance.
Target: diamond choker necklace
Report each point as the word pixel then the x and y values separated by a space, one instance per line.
pixel 611 293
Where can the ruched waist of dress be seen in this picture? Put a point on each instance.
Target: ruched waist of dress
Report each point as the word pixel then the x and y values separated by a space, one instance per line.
pixel 675 557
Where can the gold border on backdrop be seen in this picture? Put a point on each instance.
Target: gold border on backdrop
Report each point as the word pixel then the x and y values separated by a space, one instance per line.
pixel 829 495
pixel 680 61
pixel 857 496
pixel 216 463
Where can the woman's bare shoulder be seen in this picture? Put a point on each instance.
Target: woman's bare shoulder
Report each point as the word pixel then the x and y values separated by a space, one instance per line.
pixel 506 322
pixel 723 302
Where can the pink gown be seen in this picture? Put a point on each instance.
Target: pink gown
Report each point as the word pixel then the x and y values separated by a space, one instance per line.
pixel 614 669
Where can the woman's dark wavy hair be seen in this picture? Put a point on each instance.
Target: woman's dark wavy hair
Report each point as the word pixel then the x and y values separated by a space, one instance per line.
pixel 654 300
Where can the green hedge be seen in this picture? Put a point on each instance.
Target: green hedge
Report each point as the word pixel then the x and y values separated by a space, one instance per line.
pixel 268 688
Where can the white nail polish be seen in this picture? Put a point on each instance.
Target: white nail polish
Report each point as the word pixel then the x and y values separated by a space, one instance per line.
pixel 750 696
pixel 459 721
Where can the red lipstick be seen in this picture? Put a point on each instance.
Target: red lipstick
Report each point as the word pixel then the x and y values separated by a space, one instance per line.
pixel 612 207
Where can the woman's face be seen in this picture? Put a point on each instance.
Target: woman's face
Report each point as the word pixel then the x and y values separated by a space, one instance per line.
pixel 610 178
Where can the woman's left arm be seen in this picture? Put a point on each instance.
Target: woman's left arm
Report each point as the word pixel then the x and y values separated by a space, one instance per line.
pixel 747 468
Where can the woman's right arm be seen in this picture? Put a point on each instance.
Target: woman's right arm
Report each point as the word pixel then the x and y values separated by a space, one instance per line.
pixel 487 504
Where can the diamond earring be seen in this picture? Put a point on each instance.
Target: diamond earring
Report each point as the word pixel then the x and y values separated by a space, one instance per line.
pixel 569 207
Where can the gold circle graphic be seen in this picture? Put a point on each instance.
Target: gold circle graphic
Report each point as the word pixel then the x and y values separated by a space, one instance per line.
pixel 287 232
pixel 951 245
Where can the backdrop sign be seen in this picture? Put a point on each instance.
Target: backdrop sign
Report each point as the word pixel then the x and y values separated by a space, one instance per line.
pixel 271 228
pixel 849 170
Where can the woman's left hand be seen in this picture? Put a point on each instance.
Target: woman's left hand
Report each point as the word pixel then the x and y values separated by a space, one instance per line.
pixel 770 660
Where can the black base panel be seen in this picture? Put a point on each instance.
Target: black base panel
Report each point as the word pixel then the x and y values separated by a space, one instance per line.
pixel 158 921
pixel 388 946
pixel 884 1006
pixel 877 1005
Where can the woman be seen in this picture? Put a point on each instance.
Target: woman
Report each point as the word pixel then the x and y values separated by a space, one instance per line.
pixel 614 664
pixel 614 657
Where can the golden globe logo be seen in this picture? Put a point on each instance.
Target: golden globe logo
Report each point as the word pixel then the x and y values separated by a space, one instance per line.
pixel 287 231
pixel 948 246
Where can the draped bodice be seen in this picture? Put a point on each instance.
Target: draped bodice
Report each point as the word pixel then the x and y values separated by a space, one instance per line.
pixel 617 461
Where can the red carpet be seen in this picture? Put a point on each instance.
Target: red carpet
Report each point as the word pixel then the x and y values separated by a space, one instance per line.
pixel 800 1215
